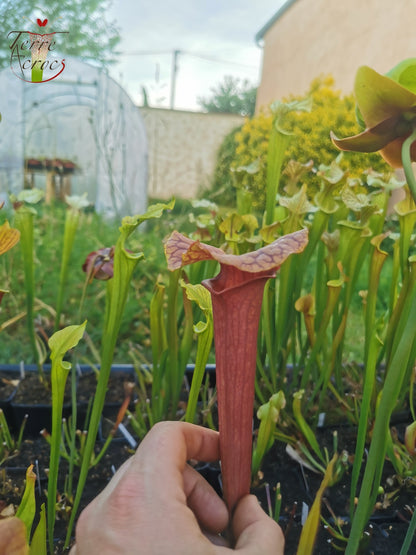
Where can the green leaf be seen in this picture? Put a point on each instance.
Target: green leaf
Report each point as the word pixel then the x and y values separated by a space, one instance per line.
pixel 204 203
pixel 377 180
pixel 404 73
pixel 268 414
pixel 270 233
pixel 250 223
pixel 66 339
pixel 251 169
pixel 333 173
pixel 199 294
pixel 38 543
pixel 129 223
pixel 303 425
pixel 310 528
pixel 298 203
pixel 77 202
pixel 27 508
pixel 200 327
pixel 405 206
pixel 231 226
pixel 379 97
pixel 117 293
pixel 31 196
pixel 281 109
pixel 202 221
pixel 355 202
pixel 355 226
pixel 157 323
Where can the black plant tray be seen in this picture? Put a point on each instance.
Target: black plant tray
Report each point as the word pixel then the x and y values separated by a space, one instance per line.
pixel 39 412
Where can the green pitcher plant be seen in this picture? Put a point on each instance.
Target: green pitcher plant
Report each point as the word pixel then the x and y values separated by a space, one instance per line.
pixel 16 531
pixel 60 342
pixel 25 215
pixel 75 205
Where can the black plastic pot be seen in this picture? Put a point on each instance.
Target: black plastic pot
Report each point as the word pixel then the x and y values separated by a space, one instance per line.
pixel 8 387
pixel 39 415
pixel 35 412
pixel 209 371
pixel 119 374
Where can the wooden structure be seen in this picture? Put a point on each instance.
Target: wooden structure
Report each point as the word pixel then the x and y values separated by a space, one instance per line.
pixel 58 176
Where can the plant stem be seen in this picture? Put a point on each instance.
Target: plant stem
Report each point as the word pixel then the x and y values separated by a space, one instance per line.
pixel 407 162
pixel 24 222
pixel 395 374
pixel 71 224
pixel 204 347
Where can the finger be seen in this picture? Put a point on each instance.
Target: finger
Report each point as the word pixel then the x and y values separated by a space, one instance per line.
pixel 13 537
pixel 180 442
pixel 255 532
pixel 209 509
pixel 154 476
pixel 166 448
pixel 113 483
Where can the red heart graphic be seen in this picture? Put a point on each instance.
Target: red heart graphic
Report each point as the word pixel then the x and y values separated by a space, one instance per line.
pixel 42 23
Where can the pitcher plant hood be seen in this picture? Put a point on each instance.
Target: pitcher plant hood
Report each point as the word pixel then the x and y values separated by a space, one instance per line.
pixel 387 108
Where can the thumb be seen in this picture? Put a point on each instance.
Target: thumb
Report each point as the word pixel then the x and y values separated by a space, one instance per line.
pixel 13 537
pixel 255 532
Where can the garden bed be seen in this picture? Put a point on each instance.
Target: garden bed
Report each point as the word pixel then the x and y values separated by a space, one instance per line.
pixel 388 524
pixel 298 488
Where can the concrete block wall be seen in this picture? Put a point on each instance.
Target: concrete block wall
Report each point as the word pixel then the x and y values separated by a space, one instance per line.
pixel 183 148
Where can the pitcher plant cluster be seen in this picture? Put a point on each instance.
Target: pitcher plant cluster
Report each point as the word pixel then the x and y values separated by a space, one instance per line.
pixel 308 310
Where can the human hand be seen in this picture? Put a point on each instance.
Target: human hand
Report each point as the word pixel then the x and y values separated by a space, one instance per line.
pixel 157 504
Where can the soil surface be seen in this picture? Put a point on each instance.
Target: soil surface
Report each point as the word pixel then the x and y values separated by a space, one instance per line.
pixel 389 522
pixel 299 485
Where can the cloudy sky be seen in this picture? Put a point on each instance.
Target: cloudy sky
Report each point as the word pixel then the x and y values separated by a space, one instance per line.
pixel 214 39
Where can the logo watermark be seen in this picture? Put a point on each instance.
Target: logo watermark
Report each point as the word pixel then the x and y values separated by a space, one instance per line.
pixel 32 55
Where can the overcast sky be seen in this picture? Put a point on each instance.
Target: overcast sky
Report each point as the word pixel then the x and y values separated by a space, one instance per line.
pixel 215 39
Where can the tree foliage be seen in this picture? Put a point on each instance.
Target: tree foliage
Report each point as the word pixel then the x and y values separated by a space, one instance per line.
pixel 90 35
pixel 232 96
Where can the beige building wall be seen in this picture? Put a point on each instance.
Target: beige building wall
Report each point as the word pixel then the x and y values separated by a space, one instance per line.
pixel 318 37
pixel 183 148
